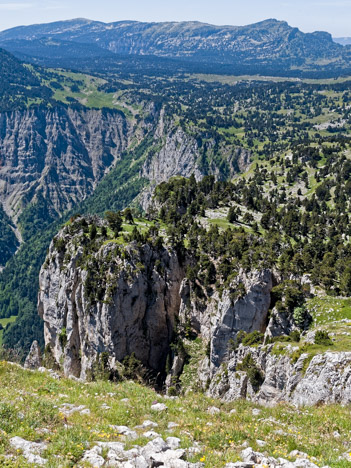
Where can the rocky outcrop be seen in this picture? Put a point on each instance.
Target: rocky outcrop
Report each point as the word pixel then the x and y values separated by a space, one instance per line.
pixel 31 450
pixel 252 459
pixel 157 452
pixel 325 379
pixel 136 312
pixel 280 376
pixel 129 299
pixel 177 156
pixel 247 311
pixel 280 323
pixel 103 305
pixel 34 359
pixel 104 301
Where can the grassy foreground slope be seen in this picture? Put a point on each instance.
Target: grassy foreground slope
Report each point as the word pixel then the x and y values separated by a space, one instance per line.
pixel 30 408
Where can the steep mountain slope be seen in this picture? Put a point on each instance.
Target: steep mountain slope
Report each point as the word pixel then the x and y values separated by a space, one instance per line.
pixel 8 239
pixel 19 83
pixel 60 153
pixel 269 42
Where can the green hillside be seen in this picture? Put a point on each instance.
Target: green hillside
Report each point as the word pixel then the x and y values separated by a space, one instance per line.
pixel 322 433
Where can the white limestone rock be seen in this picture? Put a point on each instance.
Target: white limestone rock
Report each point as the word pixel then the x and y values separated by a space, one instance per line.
pixel 126 432
pixel 149 423
pixel 213 410
pixel 93 457
pixel 173 442
pixel 248 313
pixel 34 358
pixel 327 380
pixel 167 456
pixel 31 450
pixel 159 407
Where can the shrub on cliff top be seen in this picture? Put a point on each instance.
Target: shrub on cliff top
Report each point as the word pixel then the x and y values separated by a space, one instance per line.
pixel 254 374
pixel 253 338
pixel 322 338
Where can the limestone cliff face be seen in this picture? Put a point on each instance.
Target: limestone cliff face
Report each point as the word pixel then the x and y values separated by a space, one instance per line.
pixel 62 152
pixel 135 298
pixel 326 378
pixel 136 312
pixel 177 153
pixel 247 312
pixel 131 299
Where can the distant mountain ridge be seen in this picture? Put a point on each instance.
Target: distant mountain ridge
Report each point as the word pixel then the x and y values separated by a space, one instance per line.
pixel 342 40
pixel 270 42
pixel 51 47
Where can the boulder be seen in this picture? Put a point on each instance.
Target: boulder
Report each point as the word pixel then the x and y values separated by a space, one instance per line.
pixel 159 407
pixel 31 450
pixel 34 358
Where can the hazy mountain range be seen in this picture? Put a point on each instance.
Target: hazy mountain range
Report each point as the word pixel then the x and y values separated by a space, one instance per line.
pixel 342 40
pixel 267 45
